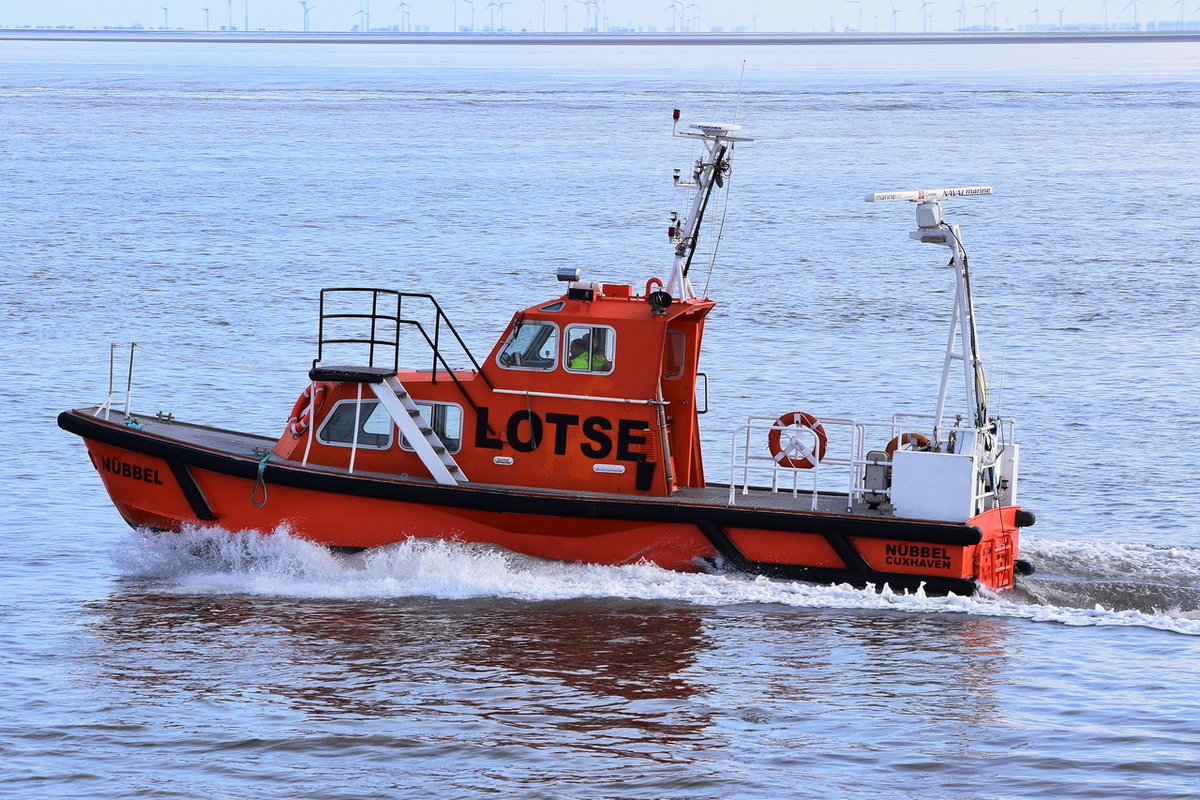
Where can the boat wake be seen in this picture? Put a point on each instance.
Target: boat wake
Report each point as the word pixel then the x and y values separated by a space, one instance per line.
pixel 1153 579
pixel 1078 583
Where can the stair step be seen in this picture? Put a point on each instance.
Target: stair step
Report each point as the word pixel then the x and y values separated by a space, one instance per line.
pixel 432 450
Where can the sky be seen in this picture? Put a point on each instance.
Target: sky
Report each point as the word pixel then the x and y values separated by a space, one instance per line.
pixel 442 15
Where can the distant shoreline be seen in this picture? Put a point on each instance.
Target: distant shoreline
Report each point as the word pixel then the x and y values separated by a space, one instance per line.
pixel 666 39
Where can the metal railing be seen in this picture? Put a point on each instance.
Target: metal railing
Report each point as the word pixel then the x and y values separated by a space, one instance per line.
pixel 843 468
pixel 372 339
pixel 382 327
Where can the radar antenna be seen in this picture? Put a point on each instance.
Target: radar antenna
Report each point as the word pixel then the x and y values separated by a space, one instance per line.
pixel 710 170
pixel 932 229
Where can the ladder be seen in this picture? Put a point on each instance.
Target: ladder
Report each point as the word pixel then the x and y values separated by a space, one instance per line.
pixel 421 437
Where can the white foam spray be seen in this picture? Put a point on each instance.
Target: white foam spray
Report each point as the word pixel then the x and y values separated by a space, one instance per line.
pixel 278 564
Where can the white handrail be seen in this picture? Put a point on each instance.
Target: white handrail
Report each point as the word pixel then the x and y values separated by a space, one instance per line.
pixel 846 456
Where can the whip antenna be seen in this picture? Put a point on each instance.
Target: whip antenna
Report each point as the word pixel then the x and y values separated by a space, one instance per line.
pixel 738 104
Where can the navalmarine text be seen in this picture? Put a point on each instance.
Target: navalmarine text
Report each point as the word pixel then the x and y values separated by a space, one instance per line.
pixel 922 556
pixel 126 470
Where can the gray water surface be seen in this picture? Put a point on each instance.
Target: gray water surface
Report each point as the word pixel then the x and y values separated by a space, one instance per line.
pixel 194 198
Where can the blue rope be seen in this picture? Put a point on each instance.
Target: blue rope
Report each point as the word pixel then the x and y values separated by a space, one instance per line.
pixel 258 481
pixel 130 422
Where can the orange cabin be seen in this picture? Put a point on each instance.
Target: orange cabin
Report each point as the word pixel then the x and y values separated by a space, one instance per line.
pixel 594 391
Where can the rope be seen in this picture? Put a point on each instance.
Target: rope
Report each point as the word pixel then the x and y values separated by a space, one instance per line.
pixel 712 263
pixel 258 481
pixel 130 422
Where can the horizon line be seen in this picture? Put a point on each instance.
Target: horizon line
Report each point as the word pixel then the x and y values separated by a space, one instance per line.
pixel 591 38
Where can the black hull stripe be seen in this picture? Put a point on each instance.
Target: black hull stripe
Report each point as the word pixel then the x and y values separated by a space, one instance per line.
pixel 857 573
pixel 833 527
pixel 191 491
pixel 721 542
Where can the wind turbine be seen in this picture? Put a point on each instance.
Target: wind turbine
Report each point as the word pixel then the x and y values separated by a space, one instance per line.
pixel 859 4
pixel 895 13
pixel 587 14
pixel 695 16
pixel 1061 9
pixel 962 14
pixel 405 17
pixel 365 16
pixel 471 3
pixel 925 15
pixel 230 2
pixel 676 19
pixel 307 8
pixel 1035 13
pixel 246 8
pixel 207 28
pixel 1182 10
pixel 985 7
pixel 165 25
pixel 1133 3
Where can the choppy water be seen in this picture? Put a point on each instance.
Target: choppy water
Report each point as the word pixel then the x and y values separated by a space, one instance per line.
pixel 194 198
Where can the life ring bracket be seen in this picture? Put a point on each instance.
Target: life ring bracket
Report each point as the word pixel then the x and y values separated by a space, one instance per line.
pixel 795 453
pixel 307 405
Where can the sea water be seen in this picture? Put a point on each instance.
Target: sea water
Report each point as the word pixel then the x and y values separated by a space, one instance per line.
pixel 194 198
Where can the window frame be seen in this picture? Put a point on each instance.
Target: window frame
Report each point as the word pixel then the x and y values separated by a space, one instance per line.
pixel 461 426
pixel 612 337
pixel 361 444
pixel 681 338
pixel 512 336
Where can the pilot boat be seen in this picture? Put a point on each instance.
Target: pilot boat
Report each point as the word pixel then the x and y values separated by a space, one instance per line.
pixel 577 438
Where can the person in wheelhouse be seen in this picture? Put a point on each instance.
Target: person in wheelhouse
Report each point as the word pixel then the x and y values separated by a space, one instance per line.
pixel 586 350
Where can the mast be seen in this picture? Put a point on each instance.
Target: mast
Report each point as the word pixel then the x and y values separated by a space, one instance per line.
pixel 709 172
pixel 933 229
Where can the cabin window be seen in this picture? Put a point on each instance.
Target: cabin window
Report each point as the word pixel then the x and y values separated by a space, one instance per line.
pixel 446 419
pixel 374 425
pixel 531 345
pixel 590 348
pixel 673 365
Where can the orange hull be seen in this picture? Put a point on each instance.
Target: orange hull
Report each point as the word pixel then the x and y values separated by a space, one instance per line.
pixel 578 438
pixel 160 484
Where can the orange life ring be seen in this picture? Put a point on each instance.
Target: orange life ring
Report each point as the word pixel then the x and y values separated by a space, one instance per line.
pixel 913 441
pixel 307 405
pixel 785 454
